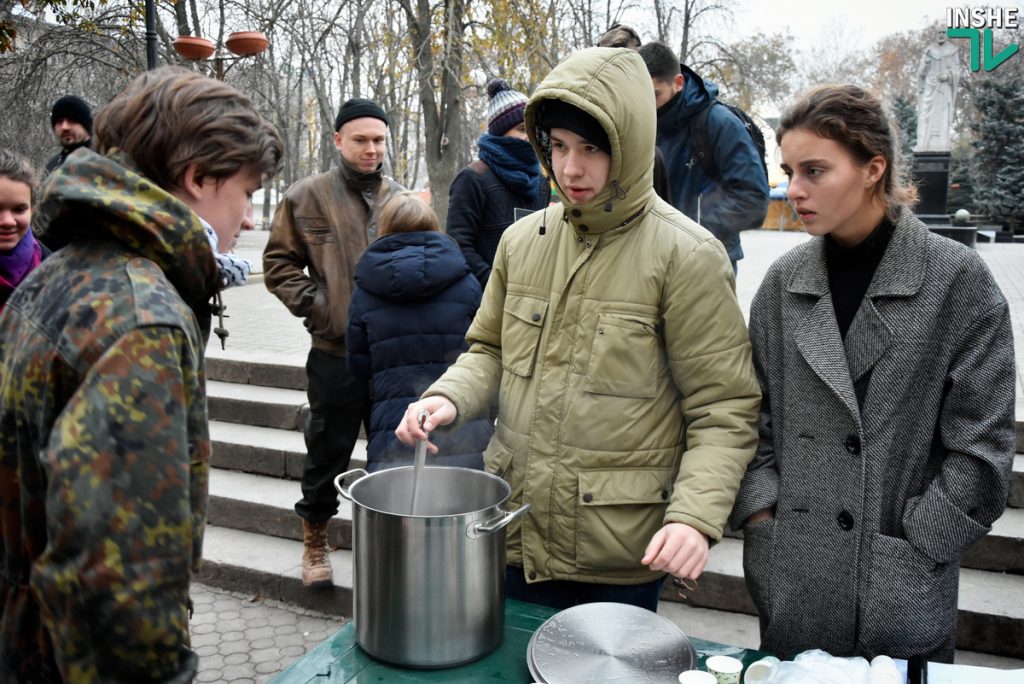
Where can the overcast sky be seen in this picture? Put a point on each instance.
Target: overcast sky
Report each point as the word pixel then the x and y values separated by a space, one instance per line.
pixel 865 20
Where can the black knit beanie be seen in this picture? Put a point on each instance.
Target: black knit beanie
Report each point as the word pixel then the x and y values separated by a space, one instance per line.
pixel 357 108
pixel 74 108
pixel 558 114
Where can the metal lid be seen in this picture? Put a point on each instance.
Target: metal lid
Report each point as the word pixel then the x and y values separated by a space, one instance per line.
pixel 608 642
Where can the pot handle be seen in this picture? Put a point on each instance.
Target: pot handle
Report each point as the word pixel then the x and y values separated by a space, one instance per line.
pixel 477 530
pixel 341 478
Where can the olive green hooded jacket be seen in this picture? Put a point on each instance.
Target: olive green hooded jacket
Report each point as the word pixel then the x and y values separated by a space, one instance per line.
pixel 612 335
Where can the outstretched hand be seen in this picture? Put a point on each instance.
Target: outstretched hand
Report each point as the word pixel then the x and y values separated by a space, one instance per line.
pixel 440 411
pixel 677 549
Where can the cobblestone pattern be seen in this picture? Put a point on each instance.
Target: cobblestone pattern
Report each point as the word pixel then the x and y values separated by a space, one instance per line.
pixel 247 640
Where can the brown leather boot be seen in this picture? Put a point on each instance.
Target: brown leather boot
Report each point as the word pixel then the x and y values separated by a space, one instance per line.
pixel 316 566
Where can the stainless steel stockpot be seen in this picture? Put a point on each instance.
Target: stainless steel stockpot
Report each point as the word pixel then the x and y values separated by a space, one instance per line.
pixel 429 589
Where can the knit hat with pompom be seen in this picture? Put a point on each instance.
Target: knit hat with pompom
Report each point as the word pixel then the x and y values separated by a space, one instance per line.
pixel 506 108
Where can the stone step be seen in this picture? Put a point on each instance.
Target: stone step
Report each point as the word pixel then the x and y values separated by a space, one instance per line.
pixel 263 502
pixel 254 405
pixel 266 451
pixel 256 369
pixel 265 505
pixel 1002 549
pixel 261 369
pixel 1017 482
pixel 991 610
pixel 271 568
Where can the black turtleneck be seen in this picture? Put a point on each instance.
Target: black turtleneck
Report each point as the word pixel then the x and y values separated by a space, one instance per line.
pixel 850 271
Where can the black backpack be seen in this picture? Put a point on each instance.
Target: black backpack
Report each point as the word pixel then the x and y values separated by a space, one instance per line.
pixel 699 134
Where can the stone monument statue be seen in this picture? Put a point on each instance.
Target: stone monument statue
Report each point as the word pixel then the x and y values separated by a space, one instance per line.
pixel 937 79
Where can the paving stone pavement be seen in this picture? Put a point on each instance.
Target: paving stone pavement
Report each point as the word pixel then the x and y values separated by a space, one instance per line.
pixel 244 639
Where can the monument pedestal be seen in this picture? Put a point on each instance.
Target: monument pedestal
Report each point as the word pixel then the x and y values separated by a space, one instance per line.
pixel 931 176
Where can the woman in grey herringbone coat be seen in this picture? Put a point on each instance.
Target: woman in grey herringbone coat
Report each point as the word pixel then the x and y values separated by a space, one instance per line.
pixel 885 357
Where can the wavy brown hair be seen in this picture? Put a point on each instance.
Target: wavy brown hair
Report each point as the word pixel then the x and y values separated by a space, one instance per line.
pixel 856 119
pixel 171 117
pixel 406 212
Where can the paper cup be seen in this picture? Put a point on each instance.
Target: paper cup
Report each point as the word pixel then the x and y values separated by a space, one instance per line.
pixel 697 677
pixel 725 669
pixel 759 671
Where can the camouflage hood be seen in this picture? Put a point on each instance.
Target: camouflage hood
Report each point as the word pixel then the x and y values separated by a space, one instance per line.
pixel 103 197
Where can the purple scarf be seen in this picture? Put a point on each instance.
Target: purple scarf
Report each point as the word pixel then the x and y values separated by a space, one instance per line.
pixel 18 263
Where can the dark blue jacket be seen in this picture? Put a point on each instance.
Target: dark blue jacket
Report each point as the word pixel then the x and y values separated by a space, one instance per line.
pixel 480 208
pixel 414 300
pixel 737 203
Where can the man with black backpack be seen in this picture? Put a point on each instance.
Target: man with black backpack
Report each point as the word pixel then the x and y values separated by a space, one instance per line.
pixel 715 153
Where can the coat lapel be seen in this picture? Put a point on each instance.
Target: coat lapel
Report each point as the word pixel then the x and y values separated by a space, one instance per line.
pixel 866 341
pixel 900 275
pixel 817 335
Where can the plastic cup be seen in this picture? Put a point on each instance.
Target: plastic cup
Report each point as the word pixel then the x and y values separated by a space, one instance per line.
pixel 725 669
pixel 760 670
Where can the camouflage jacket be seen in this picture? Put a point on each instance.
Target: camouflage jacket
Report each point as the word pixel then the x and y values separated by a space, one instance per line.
pixel 104 444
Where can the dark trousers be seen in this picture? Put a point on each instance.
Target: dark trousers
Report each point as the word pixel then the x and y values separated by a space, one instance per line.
pixel 562 594
pixel 338 403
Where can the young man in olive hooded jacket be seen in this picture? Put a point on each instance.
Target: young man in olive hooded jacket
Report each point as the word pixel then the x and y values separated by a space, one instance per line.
pixel 611 334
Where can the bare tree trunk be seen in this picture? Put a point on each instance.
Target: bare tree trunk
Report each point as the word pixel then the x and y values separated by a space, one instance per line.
pixel 195 18
pixel 443 118
pixel 181 17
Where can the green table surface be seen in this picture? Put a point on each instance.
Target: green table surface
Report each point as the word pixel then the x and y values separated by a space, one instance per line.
pixel 339 659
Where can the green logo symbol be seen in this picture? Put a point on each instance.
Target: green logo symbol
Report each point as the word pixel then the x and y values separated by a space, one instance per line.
pixel 981 48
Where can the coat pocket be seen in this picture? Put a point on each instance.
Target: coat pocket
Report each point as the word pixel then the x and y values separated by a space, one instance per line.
pixel 911 600
pixel 315 230
pixel 624 357
pixel 758 550
pixel 521 323
pixel 617 513
pixel 498 458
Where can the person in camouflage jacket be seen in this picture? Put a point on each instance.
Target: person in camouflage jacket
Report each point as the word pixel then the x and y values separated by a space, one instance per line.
pixel 104 443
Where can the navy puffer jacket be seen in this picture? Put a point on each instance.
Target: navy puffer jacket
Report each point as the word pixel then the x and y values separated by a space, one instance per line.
pixel 414 299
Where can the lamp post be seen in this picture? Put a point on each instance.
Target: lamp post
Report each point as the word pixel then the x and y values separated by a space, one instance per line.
pixel 150 35
pixel 241 43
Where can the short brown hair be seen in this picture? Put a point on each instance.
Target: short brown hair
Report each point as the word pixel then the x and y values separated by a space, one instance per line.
pixel 171 117
pixel 856 119
pixel 15 167
pixel 619 36
pixel 406 212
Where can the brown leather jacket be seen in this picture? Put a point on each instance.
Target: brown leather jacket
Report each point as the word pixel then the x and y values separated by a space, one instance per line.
pixel 323 223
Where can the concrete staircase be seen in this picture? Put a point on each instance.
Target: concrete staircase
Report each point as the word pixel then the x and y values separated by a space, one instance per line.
pixel 253 541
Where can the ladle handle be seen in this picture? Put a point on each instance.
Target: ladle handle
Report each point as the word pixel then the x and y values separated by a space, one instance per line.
pixel 341 478
pixel 419 460
pixel 477 530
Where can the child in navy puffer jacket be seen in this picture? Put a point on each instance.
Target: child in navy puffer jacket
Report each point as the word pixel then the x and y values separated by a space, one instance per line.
pixel 414 300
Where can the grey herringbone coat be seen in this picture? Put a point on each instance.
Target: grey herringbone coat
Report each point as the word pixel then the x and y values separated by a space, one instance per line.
pixel 885 455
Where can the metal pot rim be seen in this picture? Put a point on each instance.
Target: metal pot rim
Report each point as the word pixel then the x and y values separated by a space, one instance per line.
pixel 353 491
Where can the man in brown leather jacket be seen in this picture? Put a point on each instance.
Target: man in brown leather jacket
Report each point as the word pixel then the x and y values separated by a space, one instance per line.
pixel 323 224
